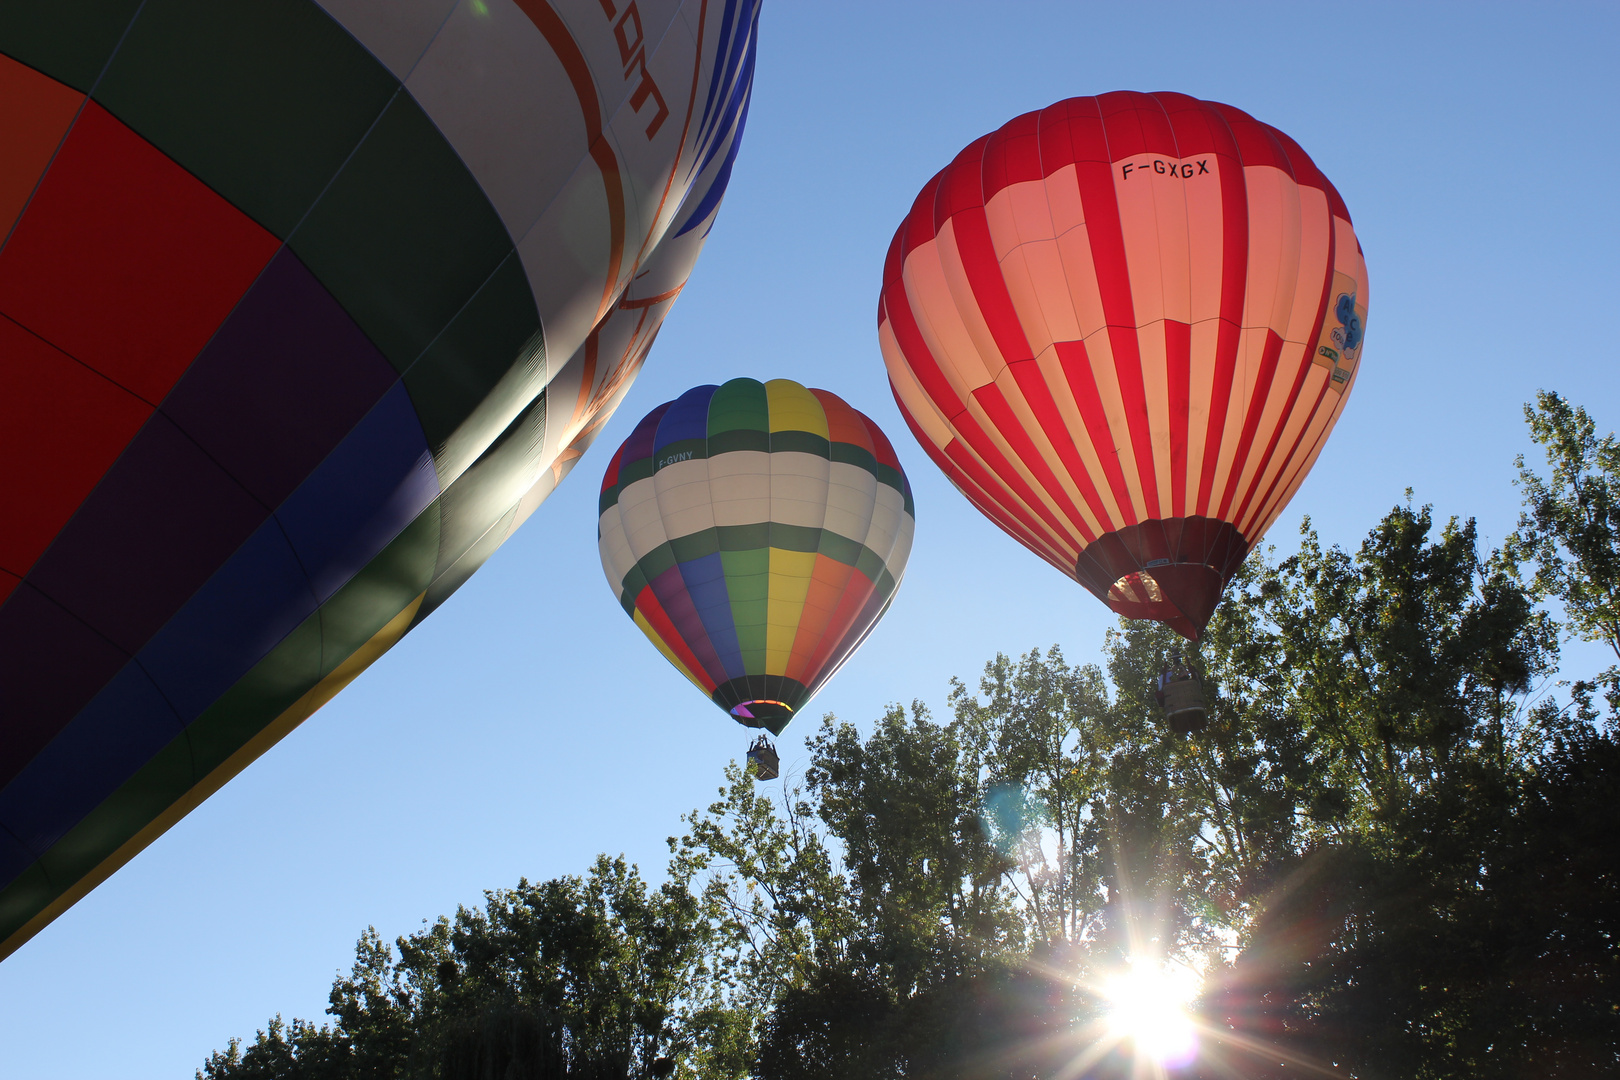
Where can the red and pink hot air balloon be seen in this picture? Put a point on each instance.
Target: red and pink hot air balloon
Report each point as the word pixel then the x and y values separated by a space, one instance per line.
pixel 1124 327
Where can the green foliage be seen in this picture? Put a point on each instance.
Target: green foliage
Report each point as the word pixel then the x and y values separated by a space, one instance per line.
pixel 582 977
pixel 1570 530
pixel 1392 853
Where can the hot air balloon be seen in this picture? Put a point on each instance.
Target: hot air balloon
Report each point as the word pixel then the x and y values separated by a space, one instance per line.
pixel 755 532
pixel 304 307
pixel 1123 326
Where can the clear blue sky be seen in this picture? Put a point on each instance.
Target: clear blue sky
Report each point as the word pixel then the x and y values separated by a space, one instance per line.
pixel 528 725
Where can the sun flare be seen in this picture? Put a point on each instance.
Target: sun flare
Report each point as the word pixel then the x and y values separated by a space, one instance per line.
pixel 1148 1005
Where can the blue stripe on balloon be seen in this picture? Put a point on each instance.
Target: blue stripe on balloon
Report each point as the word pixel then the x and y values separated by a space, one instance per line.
pixel 250 604
pixel 108 742
pixel 375 483
pixel 705 580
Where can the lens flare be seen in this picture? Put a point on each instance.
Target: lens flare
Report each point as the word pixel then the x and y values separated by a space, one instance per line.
pixel 1148 1006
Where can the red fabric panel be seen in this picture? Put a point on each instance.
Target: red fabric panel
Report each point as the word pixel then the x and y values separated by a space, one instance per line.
pixel 61 427
pixel 124 260
pixel 35 112
pixel 1083 385
pixel 1251 419
pixel 844 424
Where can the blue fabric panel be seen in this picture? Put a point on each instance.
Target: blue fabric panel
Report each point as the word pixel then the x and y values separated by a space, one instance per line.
pixel 363 495
pixel 705 580
pixel 245 610
pixel 686 418
pixel 107 743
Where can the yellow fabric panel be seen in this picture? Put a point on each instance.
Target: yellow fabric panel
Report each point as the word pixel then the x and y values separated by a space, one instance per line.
pixel 791 572
pixel 652 636
pixel 793 408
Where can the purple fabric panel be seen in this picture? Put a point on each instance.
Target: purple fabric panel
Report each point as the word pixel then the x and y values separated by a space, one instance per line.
pixel 162 520
pixel 640 443
pixel 706 583
pixel 50 665
pixel 670 589
pixel 107 743
pixel 284 379
pixel 375 483
pixel 255 600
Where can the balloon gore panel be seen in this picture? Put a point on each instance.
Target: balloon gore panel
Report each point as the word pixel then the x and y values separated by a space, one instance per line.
pixel 275 375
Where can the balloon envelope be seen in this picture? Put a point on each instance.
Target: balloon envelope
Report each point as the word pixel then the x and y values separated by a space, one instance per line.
pixel 755 532
pixel 1123 326
pixel 304 307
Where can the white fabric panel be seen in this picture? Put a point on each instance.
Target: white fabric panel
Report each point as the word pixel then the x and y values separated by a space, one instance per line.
pixel 851 491
pixel 493 85
pixel 683 497
pixel 799 488
pixel 396 31
pixel 740 484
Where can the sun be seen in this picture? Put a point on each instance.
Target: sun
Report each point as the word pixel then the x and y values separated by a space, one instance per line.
pixel 1147 1004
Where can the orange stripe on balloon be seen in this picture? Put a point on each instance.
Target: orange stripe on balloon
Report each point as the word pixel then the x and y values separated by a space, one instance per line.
pixel 828 582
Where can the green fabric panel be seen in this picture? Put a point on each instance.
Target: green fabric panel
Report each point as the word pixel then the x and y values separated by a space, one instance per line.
pixel 69 40
pixel 803 442
pixel 745 537
pixel 885 584
pixel 742 439
pixel 290 671
pixel 859 456
pixel 159 784
pixel 24 898
pixel 648 567
pixel 404 236
pixel 869 564
pixel 681 450
pixel 262 100
pixel 448 578
pixel 634 582
pixel 795 537
pixel 467 508
pixel 374 596
pixel 479 346
pixel 739 405
pixel 840 548
pixel 691 548
pixel 631 471
pixel 888 474
pixel 748 583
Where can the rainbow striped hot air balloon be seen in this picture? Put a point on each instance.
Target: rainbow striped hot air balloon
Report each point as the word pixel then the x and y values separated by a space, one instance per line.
pixel 755 532
pixel 304 308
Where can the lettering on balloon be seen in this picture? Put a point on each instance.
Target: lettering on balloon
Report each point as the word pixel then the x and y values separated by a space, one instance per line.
pixel 673 458
pixel 1186 170
pixel 632 42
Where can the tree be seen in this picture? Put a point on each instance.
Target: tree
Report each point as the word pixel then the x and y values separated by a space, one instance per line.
pixel 1570 530
pixel 592 977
